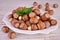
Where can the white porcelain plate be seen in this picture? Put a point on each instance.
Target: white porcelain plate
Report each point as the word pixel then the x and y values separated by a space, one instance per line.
pixel 44 31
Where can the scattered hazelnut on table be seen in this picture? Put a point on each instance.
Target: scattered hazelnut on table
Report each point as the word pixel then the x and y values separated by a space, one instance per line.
pixel 47 8
pixel 51 12
pixel 11 35
pixel 5 29
pixel 55 5
pixel 39 6
pixel 35 4
pixel 47 4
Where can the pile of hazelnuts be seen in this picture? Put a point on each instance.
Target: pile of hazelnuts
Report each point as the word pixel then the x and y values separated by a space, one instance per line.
pixel 34 21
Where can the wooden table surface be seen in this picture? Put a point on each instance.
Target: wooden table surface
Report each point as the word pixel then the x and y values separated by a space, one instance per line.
pixel 8 5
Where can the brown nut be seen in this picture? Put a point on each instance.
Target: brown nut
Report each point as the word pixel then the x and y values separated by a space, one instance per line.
pixel 15 23
pixel 10 16
pixel 11 35
pixel 25 17
pixel 20 17
pixel 15 15
pixel 23 26
pixel 53 22
pixel 55 5
pixel 37 11
pixel 40 6
pixel 35 4
pixel 41 25
pixel 47 8
pixel 14 11
pixel 37 17
pixel 47 24
pixel 47 4
pixel 19 8
pixel 45 17
pixel 34 27
pixel 10 19
pixel 28 23
pixel 29 28
pixel 33 20
pixel 21 21
pixel 32 14
pixel 5 29
pixel 51 12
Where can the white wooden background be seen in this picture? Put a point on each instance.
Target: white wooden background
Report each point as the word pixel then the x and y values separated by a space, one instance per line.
pixel 8 5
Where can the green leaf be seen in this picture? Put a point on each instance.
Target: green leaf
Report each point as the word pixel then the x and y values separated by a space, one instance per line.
pixel 20 13
pixel 24 11
pixel 27 10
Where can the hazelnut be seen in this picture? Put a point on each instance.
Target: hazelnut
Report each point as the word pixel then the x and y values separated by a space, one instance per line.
pixel 15 23
pixel 19 17
pixel 11 35
pixel 47 24
pixel 32 14
pixel 34 27
pixel 40 6
pixel 35 4
pixel 29 28
pixel 47 8
pixel 10 16
pixel 19 8
pixel 47 4
pixel 33 20
pixel 5 29
pixel 25 17
pixel 15 15
pixel 41 25
pixel 14 11
pixel 50 12
pixel 28 23
pixel 23 26
pixel 55 5
pixel 45 17
pixel 10 19
pixel 37 11
pixel 37 17
pixel 21 21
pixel 53 22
